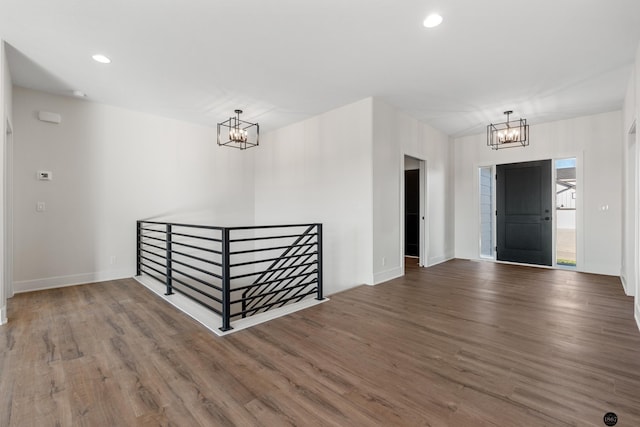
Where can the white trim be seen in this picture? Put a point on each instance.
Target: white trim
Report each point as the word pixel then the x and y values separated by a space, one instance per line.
pixel 7 206
pixel 385 276
pixel 637 314
pixel 625 285
pixel 64 281
pixel 212 321
pixel 440 259
pixel 3 315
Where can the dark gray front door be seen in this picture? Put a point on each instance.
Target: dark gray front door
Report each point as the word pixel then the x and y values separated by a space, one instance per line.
pixel 524 220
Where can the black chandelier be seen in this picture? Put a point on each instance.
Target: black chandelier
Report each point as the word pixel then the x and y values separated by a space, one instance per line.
pixel 240 133
pixel 508 134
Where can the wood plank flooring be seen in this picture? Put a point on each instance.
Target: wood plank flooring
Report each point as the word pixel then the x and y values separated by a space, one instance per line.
pixel 459 344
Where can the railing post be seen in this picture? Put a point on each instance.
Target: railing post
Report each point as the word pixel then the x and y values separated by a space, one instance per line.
pixel 138 248
pixel 319 237
pixel 226 281
pixel 168 258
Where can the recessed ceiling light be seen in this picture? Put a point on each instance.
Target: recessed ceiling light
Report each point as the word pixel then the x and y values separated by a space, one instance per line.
pixel 432 20
pixel 101 58
pixel 79 94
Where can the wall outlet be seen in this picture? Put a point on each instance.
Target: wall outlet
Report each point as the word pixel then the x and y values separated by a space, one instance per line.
pixel 41 207
pixel 113 259
pixel 384 261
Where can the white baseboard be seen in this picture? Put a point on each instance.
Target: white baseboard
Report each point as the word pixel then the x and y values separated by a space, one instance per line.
pixel 629 291
pixel 3 315
pixel 211 320
pixel 63 281
pixel 439 260
pixel 385 276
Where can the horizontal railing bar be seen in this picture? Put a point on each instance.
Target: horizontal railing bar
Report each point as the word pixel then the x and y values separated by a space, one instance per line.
pixel 197 247
pixel 153 246
pixel 215 227
pixel 201 270
pixel 154 238
pixel 240 276
pixel 215 310
pixel 285 282
pixel 211 285
pixel 151 268
pixel 153 230
pixel 153 261
pixel 273 248
pixel 238 264
pixel 188 286
pixel 255 285
pixel 156 278
pixel 250 239
pixel 176 224
pixel 267 306
pixel 217 264
pixel 200 291
pixel 276 291
pixel 162 255
pixel 256 227
pixel 211 239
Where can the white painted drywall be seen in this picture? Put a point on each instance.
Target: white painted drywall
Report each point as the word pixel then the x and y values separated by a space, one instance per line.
pixel 319 170
pixel 111 167
pixel 595 142
pixel 5 114
pixel 411 163
pixel 395 134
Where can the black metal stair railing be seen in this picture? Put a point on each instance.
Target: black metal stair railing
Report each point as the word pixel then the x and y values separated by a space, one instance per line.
pixel 285 277
pixel 236 272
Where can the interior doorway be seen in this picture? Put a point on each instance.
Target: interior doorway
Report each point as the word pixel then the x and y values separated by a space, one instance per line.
pixel 414 211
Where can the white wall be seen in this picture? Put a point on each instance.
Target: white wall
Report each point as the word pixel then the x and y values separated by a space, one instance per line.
pixel 395 135
pixel 345 169
pixel 111 167
pixel 5 114
pixel 594 141
pixel 319 170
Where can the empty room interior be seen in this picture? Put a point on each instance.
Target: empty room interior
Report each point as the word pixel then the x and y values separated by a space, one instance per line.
pixel 320 213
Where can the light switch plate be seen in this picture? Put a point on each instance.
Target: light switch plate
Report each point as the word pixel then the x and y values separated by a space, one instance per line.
pixel 45 175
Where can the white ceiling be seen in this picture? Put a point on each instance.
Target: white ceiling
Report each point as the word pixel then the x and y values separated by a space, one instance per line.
pixel 285 60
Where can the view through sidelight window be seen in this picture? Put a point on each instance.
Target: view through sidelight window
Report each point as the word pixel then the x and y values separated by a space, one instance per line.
pixel 486 212
pixel 566 212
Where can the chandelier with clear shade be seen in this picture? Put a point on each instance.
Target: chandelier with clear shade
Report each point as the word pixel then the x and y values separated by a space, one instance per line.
pixel 508 134
pixel 237 133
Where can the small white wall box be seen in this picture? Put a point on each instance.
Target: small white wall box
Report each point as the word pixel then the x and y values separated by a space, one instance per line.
pixel 45 175
pixel 46 116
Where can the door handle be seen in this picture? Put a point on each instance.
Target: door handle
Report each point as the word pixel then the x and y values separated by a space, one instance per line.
pixel 546 218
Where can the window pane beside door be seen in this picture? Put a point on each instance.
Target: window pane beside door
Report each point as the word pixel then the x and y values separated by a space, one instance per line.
pixel 566 212
pixel 486 212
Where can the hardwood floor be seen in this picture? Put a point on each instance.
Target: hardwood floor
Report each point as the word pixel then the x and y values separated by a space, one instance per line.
pixel 459 344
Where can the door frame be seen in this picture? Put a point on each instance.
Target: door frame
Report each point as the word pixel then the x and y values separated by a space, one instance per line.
pixel 578 155
pixel 424 213
pixel 7 204
pixel 6 251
